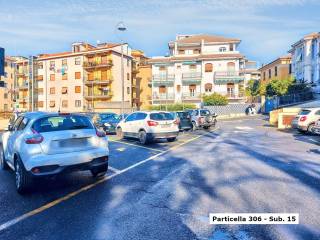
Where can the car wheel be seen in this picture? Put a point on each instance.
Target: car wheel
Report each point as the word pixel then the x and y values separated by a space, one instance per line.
pixel 99 171
pixel 311 128
pixel 119 133
pixel 143 137
pixel 3 163
pixel 23 181
pixel 171 139
pixel 206 127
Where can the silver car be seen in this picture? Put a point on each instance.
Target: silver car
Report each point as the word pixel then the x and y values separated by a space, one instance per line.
pixel 41 144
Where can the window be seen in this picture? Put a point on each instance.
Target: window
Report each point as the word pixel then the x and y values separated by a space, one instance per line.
pixel 77 89
pixel 196 51
pixel 264 75
pixel 178 88
pixel 162 89
pixel 128 76
pixel 269 73
pixel 222 49
pixel 52 77
pixel 128 62
pixel 162 68
pixel 5 95
pixel 131 117
pixel 52 104
pixel 77 75
pixel 17 123
pixel 40 78
pixel 52 90
pixel 62 123
pixel 64 62
pixel 40 91
pixel 275 71
pixel 64 103
pixel 52 65
pixel 231 66
pixel 77 103
pixel 65 76
pixel 231 47
pixel 141 116
pixel 77 61
pixel 208 87
pixel 40 104
pixel 128 90
pixel 161 116
pixel 40 65
pixel 192 89
pixel 208 67
pixel 181 51
pixel 193 67
pixel 64 90
pixel 290 68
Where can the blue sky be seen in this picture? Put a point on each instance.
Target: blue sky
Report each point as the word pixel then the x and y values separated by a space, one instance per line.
pixel 267 28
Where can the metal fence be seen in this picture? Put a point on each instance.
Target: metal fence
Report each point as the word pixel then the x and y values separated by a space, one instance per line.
pixel 232 109
pixel 294 98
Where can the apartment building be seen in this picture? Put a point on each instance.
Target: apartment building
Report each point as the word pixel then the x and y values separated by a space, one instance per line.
pixel 280 68
pixel 306 60
pixel 87 78
pixel 7 90
pixel 141 81
pixel 251 71
pixel 196 65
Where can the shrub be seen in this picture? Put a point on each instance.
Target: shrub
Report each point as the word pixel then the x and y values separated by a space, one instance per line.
pixel 215 99
pixel 173 107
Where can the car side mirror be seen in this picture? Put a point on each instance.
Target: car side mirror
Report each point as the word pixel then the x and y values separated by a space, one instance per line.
pixel 9 128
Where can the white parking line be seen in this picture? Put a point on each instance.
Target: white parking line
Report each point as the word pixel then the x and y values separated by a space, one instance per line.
pixel 83 189
pixel 136 145
pixel 113 169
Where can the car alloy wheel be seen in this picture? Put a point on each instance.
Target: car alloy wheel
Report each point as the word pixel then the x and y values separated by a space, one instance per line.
pixel 311 128
pixel 142 137
pixel 18 175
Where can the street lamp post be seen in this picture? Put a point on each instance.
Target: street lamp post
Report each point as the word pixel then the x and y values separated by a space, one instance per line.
pixel 121 27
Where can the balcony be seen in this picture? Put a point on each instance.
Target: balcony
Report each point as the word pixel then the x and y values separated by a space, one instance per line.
pixel 23 86
pixel 227 77
pixel 98 95
pixel 22 73
pixel 191 95
pixel 94 65
pixel 191 78
pixel 233 96
pixel 163 79
pixel 163 96
pixel 98 81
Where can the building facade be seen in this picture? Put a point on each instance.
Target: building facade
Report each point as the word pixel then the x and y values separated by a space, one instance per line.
pixel 280 69
pixel 88 78
pixel 7 91
pixel 306 60
pixel 141 81
pixel 197 65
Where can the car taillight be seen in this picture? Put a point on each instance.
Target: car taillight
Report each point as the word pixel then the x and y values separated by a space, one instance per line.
pixel 177 121
pixel 36 138
pixel 100 133
pixel 152 123
pixel 303 118
pixel 201 120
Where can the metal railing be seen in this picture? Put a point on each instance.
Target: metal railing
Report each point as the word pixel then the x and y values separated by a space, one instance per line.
pixel 100 80
pixel 95 64
pixel 226 73
pixel 163 96
pixel 191 75
pixel 103 94
pixel 163 77
pixel 191 95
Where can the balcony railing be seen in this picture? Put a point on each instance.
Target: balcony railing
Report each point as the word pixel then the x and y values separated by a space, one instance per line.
pixel 95 95
pixel 191 75
pixel 89 65
pixel 163 96
pixel 228 77
pixel 232 95
pixel 98 81
pixel 163 79
pixel 22 73
pixel 191 95
pixel 23 85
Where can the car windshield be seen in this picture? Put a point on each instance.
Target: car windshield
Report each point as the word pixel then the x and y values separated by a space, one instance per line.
pixel 183 114
pixel 161 116
pixel 62 123
pixel 304 112
pixel 108 116
pixel 204 112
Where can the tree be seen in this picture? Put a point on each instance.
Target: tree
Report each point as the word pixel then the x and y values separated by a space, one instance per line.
pixel 252 89
pixel 278 87
pixel 214 100
pixel 173 107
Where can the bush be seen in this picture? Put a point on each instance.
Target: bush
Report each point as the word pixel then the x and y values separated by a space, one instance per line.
pixel 214 100
pixel 173 107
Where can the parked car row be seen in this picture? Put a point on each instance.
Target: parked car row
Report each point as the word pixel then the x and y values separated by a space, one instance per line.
pixel 40 144
pixel 307 121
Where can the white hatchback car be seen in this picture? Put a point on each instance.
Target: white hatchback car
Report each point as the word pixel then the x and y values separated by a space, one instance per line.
pixel 42 144
pixel 306 119
pixel 148 126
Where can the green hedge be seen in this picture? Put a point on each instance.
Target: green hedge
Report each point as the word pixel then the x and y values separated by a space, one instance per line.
pixel 173 107
pixel 215 99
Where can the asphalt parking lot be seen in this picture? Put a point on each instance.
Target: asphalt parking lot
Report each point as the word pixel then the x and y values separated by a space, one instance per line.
pixel 166 190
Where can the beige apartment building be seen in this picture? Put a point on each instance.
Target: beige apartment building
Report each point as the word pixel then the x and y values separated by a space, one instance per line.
pixel 7 92
pixel 87 78
pixel 280 68
pixel 141 81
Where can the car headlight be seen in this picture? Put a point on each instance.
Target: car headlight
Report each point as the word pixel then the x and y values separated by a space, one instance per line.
pixel 107 124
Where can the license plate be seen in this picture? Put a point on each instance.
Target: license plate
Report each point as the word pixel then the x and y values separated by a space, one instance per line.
pixel 165 125
pixel 73 142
